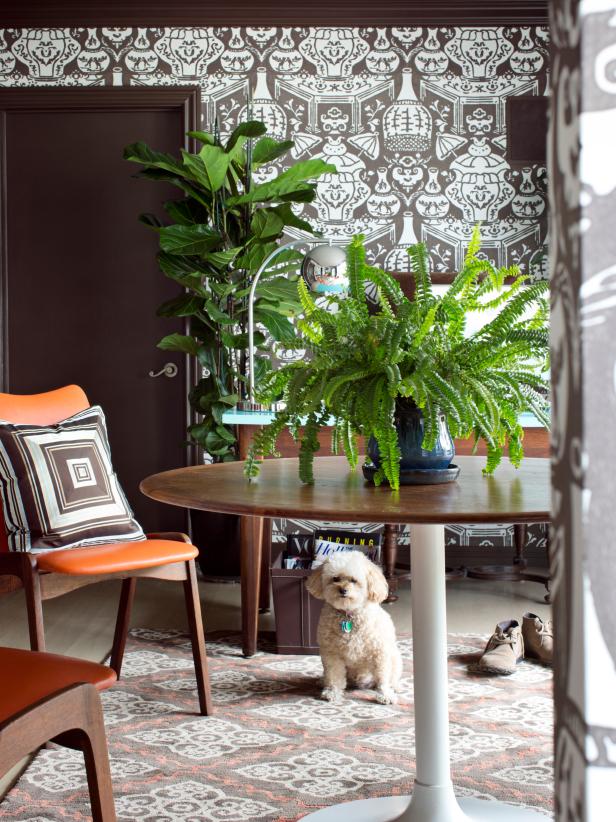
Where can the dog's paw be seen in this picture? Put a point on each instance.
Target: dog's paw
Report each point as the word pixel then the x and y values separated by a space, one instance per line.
pixel 386 696
pixel 332 695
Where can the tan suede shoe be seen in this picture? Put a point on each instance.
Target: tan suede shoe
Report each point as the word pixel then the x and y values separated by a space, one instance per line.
pixel 504 650
pixel 538 639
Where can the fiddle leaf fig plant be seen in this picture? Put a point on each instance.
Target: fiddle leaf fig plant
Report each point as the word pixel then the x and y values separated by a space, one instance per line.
pixel 221 230
pixel 364 365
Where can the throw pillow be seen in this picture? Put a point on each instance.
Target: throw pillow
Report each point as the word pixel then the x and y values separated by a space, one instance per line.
pixel 58 486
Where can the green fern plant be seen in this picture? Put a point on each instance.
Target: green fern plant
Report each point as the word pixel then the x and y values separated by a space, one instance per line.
pixel 362 365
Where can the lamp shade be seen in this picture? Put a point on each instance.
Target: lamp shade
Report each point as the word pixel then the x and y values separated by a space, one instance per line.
pixel 324 270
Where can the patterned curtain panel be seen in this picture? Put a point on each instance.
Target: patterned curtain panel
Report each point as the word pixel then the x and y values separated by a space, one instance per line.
pixel 582 263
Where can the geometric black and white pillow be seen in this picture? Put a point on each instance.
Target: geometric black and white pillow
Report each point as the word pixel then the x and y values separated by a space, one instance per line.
pixel 58 486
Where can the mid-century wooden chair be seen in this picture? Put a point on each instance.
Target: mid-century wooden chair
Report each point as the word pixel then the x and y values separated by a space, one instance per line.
pixel 45 697
pixel 53 573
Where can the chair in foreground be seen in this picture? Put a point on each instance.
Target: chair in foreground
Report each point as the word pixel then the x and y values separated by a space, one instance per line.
pixel 45 697
pixel 54 463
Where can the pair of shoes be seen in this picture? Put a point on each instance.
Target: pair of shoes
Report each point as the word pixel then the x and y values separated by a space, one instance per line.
pixel 511 643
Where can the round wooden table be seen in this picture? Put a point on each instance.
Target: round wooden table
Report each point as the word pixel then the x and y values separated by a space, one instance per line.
pixel 516 496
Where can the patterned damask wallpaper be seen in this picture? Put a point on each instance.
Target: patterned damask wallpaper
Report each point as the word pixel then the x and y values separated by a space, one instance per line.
pixel 413 118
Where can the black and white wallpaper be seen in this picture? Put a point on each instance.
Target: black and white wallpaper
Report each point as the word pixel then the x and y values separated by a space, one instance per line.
pixel 414 119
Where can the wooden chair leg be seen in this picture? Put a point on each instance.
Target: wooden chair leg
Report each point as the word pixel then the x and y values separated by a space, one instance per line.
pixel 89 737
pixel 195 625
pixel 79 708
pixel 122 624
pixel 99 775
pixel 91 742
pixel 34 604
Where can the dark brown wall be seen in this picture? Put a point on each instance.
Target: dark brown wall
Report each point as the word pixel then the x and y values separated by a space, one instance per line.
pixel 81 283
pixel 273 13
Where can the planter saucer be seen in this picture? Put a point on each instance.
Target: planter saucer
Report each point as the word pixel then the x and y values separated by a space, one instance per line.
pixel 419 476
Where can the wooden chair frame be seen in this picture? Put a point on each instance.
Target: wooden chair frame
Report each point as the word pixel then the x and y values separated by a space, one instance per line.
pixel 39 586
pixel 73 718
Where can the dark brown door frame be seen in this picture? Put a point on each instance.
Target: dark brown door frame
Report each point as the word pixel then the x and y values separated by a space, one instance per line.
pixel 35 13
pixel 187 99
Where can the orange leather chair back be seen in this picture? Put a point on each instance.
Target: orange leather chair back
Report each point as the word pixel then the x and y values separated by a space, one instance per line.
pixel 40 409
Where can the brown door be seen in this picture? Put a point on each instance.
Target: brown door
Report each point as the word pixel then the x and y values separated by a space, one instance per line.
pixel 80 281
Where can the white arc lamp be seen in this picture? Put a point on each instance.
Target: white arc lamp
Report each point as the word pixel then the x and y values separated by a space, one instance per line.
pixel 323 269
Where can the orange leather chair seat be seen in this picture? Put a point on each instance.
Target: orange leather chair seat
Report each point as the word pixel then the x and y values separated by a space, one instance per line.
pixel 29 676
pixel 116 557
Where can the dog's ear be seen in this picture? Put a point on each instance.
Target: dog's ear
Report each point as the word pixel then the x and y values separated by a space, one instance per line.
pixel 314 583
pixel 378 589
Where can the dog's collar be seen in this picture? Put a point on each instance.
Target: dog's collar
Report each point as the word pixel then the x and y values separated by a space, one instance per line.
pixel 345 621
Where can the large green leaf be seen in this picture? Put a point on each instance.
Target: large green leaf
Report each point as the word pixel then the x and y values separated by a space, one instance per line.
pixel 216 314
pixel 185 212
pixel 266 224
pixel 215 444
pixel 263 366
pixel 278 326
pixel 203 331
pixel 222 289
pixel 288 217
pixel 200 431
pixel 208 168
pixel 187 240
pixel 285 309
pixel 216 163
pixel 176 267
pixel 289 259
pixel 229 399
pixel 278 288
pixel 268 149
pixel 217 409
pixel 202 137
pixel 290 181
pixel 225 434
pixel 252 128
pixel 142 153
pixel 222 259
pixel 184 182
pixel 304 195
pixel 240 341
pixel 179 342
pixel 207 358
pixel 185 305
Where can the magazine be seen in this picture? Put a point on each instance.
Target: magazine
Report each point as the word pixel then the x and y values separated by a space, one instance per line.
pixel 299 545
pixel 328 541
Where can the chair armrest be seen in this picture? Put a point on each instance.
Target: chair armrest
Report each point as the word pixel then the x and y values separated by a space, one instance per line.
pixel 176 536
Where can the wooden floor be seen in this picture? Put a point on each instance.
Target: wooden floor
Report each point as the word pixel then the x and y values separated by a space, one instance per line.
pixel 81 623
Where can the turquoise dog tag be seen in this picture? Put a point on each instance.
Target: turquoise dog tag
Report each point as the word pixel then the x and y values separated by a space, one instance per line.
pixel 346 625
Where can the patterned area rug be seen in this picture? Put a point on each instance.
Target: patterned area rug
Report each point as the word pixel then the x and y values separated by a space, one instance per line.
pixel 275 752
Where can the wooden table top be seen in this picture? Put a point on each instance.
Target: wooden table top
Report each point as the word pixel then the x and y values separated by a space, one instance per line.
pixel 339 494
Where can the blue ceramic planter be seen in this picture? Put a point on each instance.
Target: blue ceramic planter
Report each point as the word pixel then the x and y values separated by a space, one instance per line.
pixel 410 425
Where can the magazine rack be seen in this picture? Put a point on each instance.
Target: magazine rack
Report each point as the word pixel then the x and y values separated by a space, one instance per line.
pixel 295 610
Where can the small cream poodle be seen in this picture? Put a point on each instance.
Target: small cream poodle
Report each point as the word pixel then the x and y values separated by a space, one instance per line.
pixel 357 638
